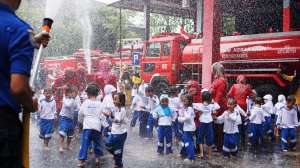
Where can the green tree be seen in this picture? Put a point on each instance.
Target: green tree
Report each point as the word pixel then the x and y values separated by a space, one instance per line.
pixel 163 23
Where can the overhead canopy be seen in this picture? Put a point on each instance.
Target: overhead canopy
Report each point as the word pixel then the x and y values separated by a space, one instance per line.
pixel 165 7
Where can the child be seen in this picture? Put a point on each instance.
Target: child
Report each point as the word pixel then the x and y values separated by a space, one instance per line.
pixel 152 103
pixel 108 105
pixel 281 102
pixel 189 127
pixel 250 101
pixel 205 131
pixel 138 106
pixel 256 120
pixel 78 102
pixel 164 115
pixel 287 121
pixel 174 104
pixel 116 140
pixel 92 118
pixel 231 119
pixel 67 118
pixel 47 113
pixel 268 108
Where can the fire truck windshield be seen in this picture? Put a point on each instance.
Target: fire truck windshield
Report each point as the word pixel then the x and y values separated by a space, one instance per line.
pixel 166 48
pixel 153 49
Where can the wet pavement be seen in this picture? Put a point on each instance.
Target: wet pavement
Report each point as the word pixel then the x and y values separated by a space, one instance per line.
pixel 141 153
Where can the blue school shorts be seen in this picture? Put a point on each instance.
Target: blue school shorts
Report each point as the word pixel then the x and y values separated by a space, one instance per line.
pixel 66 127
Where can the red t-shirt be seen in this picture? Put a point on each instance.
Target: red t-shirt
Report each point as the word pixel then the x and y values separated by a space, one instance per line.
pixel 218 90
pixel 240 92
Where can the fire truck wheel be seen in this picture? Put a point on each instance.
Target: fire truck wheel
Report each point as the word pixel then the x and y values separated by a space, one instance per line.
pixel 272 89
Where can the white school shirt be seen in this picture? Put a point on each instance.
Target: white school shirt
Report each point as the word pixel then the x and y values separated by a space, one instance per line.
pixel 240 111
pixel 174 103
pixel 78 102
pixel 231 122
pixel 278 106
pixel 119 121
pixel 152 103
pixel 206 111
pixel 68 107
pixel 163 120
pixel 188 119
pixel 257 115
pixel 287 118
pixel 250 105
pixel 139 103
pixel 47 109
pixel 91 115
pixel 268 108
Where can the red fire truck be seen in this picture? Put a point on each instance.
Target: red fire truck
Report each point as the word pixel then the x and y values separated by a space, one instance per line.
pixel 170 59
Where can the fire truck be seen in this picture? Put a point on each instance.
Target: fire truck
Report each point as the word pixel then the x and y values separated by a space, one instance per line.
pixel 171 59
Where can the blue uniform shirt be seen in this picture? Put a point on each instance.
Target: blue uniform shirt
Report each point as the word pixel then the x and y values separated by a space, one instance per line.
pixel 16 53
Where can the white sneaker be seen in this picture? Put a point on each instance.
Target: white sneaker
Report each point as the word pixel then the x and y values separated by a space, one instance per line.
pixel 188 161
pixel 284 150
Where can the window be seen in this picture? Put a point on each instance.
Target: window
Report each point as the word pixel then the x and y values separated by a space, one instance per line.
pixel 166 49
pixel 154 50
pixel 149 67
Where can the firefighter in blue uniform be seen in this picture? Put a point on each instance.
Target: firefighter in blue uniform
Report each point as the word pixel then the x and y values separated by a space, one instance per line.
pixel 17 44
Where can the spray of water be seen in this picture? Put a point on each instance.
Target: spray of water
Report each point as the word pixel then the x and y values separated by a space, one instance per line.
pixel 83 9
pixel 52 8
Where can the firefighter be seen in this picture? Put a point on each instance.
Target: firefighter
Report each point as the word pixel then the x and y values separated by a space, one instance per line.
pixel 17 45
pixel 218 90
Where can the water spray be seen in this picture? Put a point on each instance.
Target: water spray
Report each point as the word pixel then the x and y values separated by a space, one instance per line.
pixel 47 24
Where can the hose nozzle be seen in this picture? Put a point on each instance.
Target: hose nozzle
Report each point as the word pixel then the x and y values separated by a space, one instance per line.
pixel 47 24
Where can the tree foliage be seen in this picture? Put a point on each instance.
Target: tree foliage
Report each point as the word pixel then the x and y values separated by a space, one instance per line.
pixel 163 23
pixel 66 35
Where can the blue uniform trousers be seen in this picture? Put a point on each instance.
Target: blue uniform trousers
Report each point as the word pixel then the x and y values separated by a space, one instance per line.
pixel 255 133
pixel 188 145
pixel 151 123
pixel 89 137
pixel 267 127
pixel 135 117
pixel 164 133
pixel 230 144
pixel 143 123
pixel 287 133
pixel 115 145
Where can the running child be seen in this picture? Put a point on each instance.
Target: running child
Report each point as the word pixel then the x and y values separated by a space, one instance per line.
pixel 116 140
pixel 189 127
pixel 268 108
pixel 288 122
pixel 152 103
pixel 175 105
pixel 205 132
pixel 165 115
pixel 256 123
pixel 281 102
pixel 231 119
pixel 92 118
pixel 47 113
pixel 67 126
